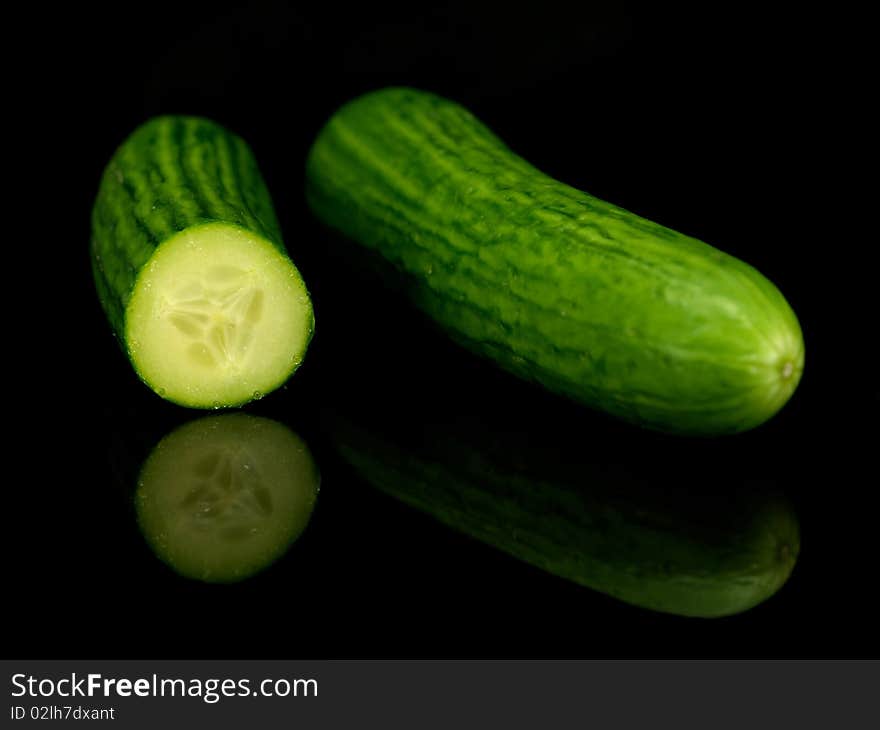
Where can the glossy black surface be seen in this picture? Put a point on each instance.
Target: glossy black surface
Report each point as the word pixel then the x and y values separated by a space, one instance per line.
pixel 713 125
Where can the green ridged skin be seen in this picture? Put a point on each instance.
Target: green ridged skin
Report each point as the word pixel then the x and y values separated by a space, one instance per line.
pixel 698 556
pixel 179 183
pixel 554 285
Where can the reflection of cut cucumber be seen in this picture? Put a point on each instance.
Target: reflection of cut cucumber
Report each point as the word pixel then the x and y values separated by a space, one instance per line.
pixel 223 497
pixel 191 269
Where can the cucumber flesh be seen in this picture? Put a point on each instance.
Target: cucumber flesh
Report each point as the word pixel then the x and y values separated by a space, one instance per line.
pixel 222 498
pixel 217 317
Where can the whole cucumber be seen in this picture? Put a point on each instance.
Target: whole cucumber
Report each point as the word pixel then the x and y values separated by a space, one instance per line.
pixel 554 285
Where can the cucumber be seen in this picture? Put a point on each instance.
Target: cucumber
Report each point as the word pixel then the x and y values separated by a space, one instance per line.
pixel 223 497
pixel 190 267
pixel 553 284
pixel 690 551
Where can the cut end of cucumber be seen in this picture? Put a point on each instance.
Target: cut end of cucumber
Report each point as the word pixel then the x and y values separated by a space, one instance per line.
pixel 223 497
pixel 218 317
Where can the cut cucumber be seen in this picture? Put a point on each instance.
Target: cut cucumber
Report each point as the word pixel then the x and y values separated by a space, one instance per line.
pixel 191 269
pixel 221 498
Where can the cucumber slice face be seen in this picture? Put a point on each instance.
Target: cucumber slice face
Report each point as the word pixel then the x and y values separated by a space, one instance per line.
pixel 218 317
pixel 223 497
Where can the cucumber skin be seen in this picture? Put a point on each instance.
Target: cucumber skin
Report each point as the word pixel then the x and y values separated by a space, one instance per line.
pixel 693 555
pixel 171 174
pixel 554 285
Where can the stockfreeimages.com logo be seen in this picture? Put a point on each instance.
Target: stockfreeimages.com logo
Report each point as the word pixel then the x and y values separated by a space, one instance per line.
pixel 209 690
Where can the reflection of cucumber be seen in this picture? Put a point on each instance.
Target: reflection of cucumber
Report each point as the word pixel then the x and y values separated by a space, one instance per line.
pixel 563 510
pixel 223 497
pixel 191 269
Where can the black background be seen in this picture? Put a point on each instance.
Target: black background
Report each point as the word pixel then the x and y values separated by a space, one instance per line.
pixel 736 127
